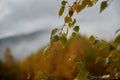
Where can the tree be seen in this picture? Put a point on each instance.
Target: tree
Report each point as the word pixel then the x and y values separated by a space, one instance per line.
pixel 70 23
pixel 8 57
pixel 11 68
pixel 69 20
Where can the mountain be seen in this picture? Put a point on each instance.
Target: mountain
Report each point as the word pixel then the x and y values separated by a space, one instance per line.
pixel 24 44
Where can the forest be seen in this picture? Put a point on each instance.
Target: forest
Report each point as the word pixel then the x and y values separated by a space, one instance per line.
pixel 77 57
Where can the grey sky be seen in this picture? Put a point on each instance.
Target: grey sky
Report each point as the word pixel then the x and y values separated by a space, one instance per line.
pixel 24 16
pixel 19 17
pixel 102 25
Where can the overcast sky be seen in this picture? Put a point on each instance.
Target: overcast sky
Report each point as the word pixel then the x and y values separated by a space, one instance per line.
pixel 26 16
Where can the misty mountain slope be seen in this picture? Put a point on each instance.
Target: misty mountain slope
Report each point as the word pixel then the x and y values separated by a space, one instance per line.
pixel 23 45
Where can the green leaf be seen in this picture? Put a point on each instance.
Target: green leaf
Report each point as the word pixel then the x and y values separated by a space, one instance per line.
pixel 61 11
pixel 83 4
pixel 113 53
pixel 89 3
pixel 117 40
pixel 95 1
pixel 74 21
pixel 53 32
pixel 55 38
pixel 63 40
pixel 43 75
pixel 97 60
pixel 76 28
pixel 103 6
pixel 81 65
pixel 74 34
pixel 70 25
pixel 96 41
pixel 82 75
pixel 111 48
pixel 63 3
pixel 103 46
pixel 68 19
pixel 92 39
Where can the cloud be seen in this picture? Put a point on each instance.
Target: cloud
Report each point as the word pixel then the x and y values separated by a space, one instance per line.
pixel 17 16
pixel 27 16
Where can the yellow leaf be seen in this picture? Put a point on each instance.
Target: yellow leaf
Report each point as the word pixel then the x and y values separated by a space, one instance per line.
pixel 77 7
pixel 71 11
pixel 68 19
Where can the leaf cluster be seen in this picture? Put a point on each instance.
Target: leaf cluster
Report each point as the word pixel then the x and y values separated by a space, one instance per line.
pixel 70 22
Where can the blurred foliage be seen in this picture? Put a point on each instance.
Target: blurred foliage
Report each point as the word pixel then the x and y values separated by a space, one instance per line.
pixel 68 9
pixel 77 6
pixel 9 69
pixel 77 60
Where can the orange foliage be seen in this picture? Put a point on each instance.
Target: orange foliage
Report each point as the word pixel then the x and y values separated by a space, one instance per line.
pixel 59 65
